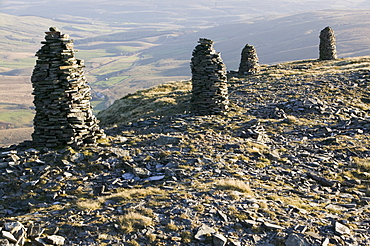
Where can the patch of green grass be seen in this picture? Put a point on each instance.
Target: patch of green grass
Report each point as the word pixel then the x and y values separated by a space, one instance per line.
pixel 109 82
pixel 116 65
pixel 18 63
pixel 18 117
pixel 87 55
pixel 121 49
pixel 162 100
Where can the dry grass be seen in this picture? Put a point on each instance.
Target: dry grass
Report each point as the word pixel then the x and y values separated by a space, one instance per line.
pixel 133 221
pixel 233 184
pixel 89 205
pixel 362 163
pixel 133 193
pixel 165 99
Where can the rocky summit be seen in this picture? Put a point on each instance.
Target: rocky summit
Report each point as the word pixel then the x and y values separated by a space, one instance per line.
pixel 289 164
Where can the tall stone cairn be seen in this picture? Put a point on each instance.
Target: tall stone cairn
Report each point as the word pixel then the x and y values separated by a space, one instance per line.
pixel 62 96
pixel 249 63
pixel 209 81
pixel 328 49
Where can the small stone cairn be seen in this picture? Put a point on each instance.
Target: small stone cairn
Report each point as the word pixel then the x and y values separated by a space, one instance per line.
pixel 249 63
pixel 209 80
pixel 62 96
pixel 328 50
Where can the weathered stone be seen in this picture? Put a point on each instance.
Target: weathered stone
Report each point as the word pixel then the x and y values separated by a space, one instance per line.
pixel 203 232
pixel 321 180
pixel 165 140
pixel 325 242
pixel 328 49
pixel 4 242
pixel 209 80
pixel 341 229
pixel 249 63
pixel 219 240
pixel 34 231
pixel 296 240
pixel 62 96
pixel 9 236
pixel 272 226
pixel 55 240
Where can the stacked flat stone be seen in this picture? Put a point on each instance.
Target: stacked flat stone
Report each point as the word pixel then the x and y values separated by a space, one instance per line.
pixel 249 63
pixel 209 81
pixel 62 96
pixel 328 49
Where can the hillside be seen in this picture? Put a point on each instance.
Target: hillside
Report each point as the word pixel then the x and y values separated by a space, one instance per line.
pixel 124 57
pixel 288 165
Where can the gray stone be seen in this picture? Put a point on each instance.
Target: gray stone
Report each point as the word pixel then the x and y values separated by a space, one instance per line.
pixel 296 240
pixel 325 242
pixel 272 226
pixel 341 229
pixel 4 242
pixel 165 140
pixel 9 236
pixel 155 178
pixel 55 240
pixel 141 172
pixel 34 231
pixel 219 240
pixel 203 232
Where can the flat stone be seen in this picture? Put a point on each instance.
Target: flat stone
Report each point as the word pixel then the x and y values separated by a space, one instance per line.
pixel 203 232
pixel 55 240
pixel 128 176
pixel 4 242
pixel 250 223
pixel 155 178
pixel 335 207
pixel 341 229
pixel 272 226
pixel 296 240
pixel 141 172
pixel 165 140
pixel 9 236
pixel 219 240
pixel 325 242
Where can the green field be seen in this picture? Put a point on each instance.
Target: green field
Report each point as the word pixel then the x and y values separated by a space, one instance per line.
pixel 16 116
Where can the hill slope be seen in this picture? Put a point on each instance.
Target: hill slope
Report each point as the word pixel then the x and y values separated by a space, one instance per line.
pixel 289 163
pixel 122 58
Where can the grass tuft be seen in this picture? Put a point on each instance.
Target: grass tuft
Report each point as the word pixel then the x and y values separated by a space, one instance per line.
pixel 133 221
pixel 233 184
pixel 362 163
pixel 88 205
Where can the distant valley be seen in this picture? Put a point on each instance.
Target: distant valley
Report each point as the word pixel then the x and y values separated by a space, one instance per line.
pixel 122 58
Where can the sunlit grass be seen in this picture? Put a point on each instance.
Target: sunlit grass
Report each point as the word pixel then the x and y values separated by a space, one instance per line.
pixel 233 184
pixel 133 221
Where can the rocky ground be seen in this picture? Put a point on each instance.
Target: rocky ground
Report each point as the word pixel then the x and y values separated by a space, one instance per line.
pixel 288 165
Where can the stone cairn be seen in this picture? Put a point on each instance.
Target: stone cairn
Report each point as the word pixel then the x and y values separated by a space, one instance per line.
pixel 209 81
pixel 328 50
pixel 62 96
pixel 249 63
